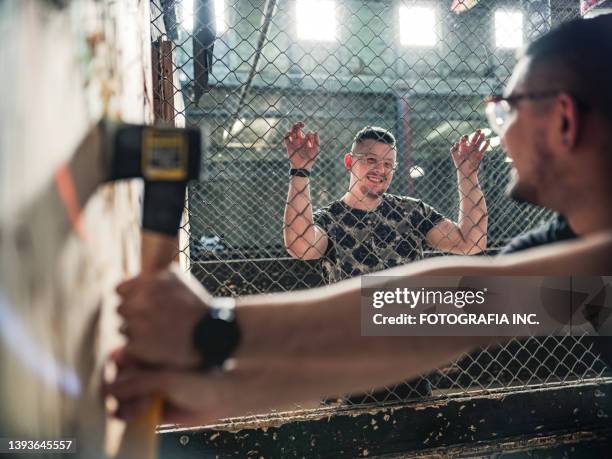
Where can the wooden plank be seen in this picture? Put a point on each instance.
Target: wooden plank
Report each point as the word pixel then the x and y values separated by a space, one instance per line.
pixel 167 82
pixel 164 92
pixel 64 66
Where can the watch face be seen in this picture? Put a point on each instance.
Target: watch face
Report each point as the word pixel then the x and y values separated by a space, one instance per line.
pixel 226 314
pixel 223 308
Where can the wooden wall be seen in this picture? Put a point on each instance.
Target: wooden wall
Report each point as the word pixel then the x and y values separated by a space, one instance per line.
pixel 63 65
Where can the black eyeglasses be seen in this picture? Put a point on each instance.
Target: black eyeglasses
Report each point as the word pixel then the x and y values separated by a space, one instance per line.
pixel 527 95
pixel 499 108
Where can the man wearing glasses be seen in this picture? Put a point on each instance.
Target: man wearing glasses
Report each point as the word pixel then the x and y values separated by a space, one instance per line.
pixel 369 230
pixel 552 121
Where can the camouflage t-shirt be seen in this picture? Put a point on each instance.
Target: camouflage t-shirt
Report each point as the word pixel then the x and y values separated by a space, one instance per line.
pixel 361 242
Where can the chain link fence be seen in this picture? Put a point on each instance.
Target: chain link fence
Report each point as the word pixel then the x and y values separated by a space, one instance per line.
pixel 417 69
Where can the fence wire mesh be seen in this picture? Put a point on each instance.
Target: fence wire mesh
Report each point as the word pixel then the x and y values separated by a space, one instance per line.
pixel 246 70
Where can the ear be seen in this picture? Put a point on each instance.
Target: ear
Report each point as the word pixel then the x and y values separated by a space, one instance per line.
pixel 568 119
pixel 348 161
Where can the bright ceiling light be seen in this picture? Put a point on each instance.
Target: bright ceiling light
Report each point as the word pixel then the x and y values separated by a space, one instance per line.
pixel 509 29
pixel 316 20
pixel 417 26
pixel 186 15
pixel 220 21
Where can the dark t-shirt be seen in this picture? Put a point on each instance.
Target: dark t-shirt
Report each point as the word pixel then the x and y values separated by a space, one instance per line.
pixel 558 229
pixel 555 230
pixel 361 242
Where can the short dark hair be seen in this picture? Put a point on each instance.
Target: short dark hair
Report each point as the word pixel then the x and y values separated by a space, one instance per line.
pixel 375 133
pixel 578 56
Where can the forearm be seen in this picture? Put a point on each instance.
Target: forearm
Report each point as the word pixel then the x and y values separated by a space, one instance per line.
pixel 304 345
pixel 473 217
pixel 326 322
pixel 298 227
pixel 281 384
pixel 295 318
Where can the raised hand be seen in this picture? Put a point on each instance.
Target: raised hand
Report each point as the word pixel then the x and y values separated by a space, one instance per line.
pixel 467 153
pixel 302 149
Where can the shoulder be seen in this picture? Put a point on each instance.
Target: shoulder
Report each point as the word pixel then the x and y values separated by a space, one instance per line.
pixel 555 229
pixel 560 229
pixel 524 241
pixel 333 208
pixel 325 216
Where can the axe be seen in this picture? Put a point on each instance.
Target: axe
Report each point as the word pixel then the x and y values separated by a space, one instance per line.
pixel 167 159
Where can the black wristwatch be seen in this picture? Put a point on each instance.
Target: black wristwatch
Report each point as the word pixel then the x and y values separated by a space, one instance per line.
pixel 299 172
pixel 217 335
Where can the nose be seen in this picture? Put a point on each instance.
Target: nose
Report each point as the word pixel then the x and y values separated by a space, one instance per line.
pixel 504 145
pixel 380 167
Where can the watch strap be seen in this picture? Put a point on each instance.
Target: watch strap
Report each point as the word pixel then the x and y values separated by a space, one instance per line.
pixel 217 335
pixel 299 172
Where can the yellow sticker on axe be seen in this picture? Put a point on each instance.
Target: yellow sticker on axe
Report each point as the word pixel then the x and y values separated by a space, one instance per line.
pixel 164 154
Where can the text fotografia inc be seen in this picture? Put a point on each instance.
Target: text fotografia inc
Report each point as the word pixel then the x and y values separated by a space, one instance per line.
pixel 486 306
pixel 456 319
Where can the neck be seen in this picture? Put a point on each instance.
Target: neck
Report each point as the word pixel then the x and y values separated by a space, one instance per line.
pixel 361 202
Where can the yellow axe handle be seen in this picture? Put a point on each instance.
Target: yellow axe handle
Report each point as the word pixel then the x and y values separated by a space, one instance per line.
pixel 139 440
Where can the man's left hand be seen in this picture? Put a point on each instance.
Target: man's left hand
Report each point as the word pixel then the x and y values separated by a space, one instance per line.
pixel 468 153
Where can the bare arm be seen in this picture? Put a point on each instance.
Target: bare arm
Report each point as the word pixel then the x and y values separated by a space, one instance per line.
pixel 302 238
pixel 332 314
pixel 300 346
pixel 469 236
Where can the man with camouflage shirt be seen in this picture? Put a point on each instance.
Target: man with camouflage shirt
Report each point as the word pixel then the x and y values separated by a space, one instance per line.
pixel 368 229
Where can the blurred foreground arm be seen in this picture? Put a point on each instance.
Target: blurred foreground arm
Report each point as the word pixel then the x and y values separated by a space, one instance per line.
pixel 301 346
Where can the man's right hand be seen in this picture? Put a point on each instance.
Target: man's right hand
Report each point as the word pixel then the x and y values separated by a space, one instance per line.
pixel 302 149
pixel 160 313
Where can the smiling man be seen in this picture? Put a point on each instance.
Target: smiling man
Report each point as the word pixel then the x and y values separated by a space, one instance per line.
pixel 369 230
pixel 554 121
